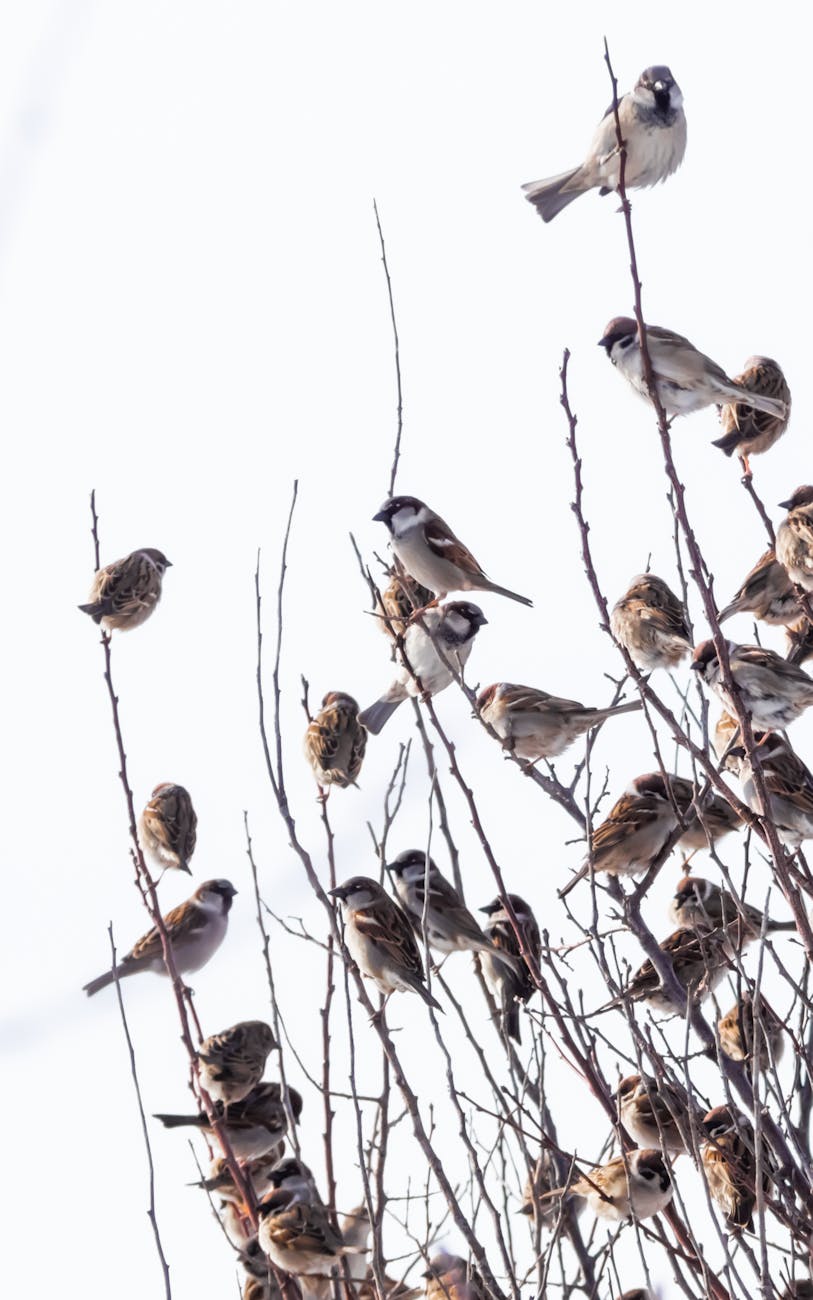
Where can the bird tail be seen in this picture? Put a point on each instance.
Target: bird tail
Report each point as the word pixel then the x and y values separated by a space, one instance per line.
pixel 101 982
pixel 729 442
pixel 378 714
pixel 575 880
pixel 729 610
pixel 510 1019
pixel 427 996
pixel 181 1121
pixel 768 405
pixel 601 714
pixel 551 195
pixel 512 595
pixel 95 611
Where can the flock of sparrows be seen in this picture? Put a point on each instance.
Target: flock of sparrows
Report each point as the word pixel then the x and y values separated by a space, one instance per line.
pixel 432 638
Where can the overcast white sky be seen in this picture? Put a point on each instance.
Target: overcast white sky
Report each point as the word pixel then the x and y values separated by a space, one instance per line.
pixel 193 313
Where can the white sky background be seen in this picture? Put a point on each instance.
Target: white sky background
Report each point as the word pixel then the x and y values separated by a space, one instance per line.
pixel 193 313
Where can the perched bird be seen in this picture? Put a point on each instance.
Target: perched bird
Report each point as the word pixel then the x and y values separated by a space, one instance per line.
pixel 450 1277
pixel 706 817
pixel 794 537
pixel 533 724
pixel 125 593
pixel 541 1181
pixel 399 600
pixel 220 1179
pixel 635 832
pixel 729 1163
pixel 637 1185
pixel 167 828
pixel 766 592
pixel 653 128
pixel 428 549
pixel 650 622
pixel 699 961
pixel 231 1063
pixel 774 692
pixel 656 1113
pixel 686 380
pixel 745 430
pixel 434 649
pixel 747 1023
pixel 254 1126
pixel 788 784
pixel 510 985
pixel 699 904
pixel 294 1229
pixel 380 940
pixel 335 741
pixel 450 926
pixel 195 929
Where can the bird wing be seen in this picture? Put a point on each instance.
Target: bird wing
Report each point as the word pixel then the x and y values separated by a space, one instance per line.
pixel 386 926
pixel 442 542
pixel 181 922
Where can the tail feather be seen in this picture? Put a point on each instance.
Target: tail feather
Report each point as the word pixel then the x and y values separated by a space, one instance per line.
pixel 94 610
pixel 550 196
pixel 101 982
pixel 768 405
pixel 378 714
pixel 181 1121
pixel 578 876
pixel 729 442
pixel 512 595
pixel 729 610
pixel 510 1019
pixel 601 715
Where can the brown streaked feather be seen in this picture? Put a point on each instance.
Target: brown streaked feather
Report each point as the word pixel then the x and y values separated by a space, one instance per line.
pixel 392 934
pixel 442 542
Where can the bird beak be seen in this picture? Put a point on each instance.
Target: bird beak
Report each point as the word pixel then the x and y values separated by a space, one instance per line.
pixel 380 518
pixel 233 890
pixel 169 564
pixel 784 505
pixel 338 892
pixel 527 1209
pixel 389 866
pixel 695 666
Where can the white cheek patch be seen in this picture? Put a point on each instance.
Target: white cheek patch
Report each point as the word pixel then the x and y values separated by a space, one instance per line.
pixel 403 520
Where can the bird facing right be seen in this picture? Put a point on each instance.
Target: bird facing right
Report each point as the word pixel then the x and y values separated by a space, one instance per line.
pixel 637 1185
pixel 231 1063
pixel 653 127
pixel 195 930
pixel 125 593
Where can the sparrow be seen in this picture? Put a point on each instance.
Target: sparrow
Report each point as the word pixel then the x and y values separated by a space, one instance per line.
pixel 195 928
pixel 750 432
pixel 125 593
pixel 794 537
pixel 254 1126
pixel 650 622
pixel 257 1173
pixel 634 834
pixel 399 600
pixel 699 904
pixel 510 985
pixel 447 631
pixel 788 784
pixel 653 128
pixel 699 961
pixel 429 551
pixel 714 818
pixel 450 1277
pixel 656 1113
pixel 774 692
pixel 736 1029
pixel 450 926
pixel 335 741
pixel 294 1228
pixel 637 1184
pixel 533 724
pixel 380 940
pixel 766 592
pixel 231 1063
pixel 167 828
pixel 541 1181
pixel 729 1164
pixel 686 380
